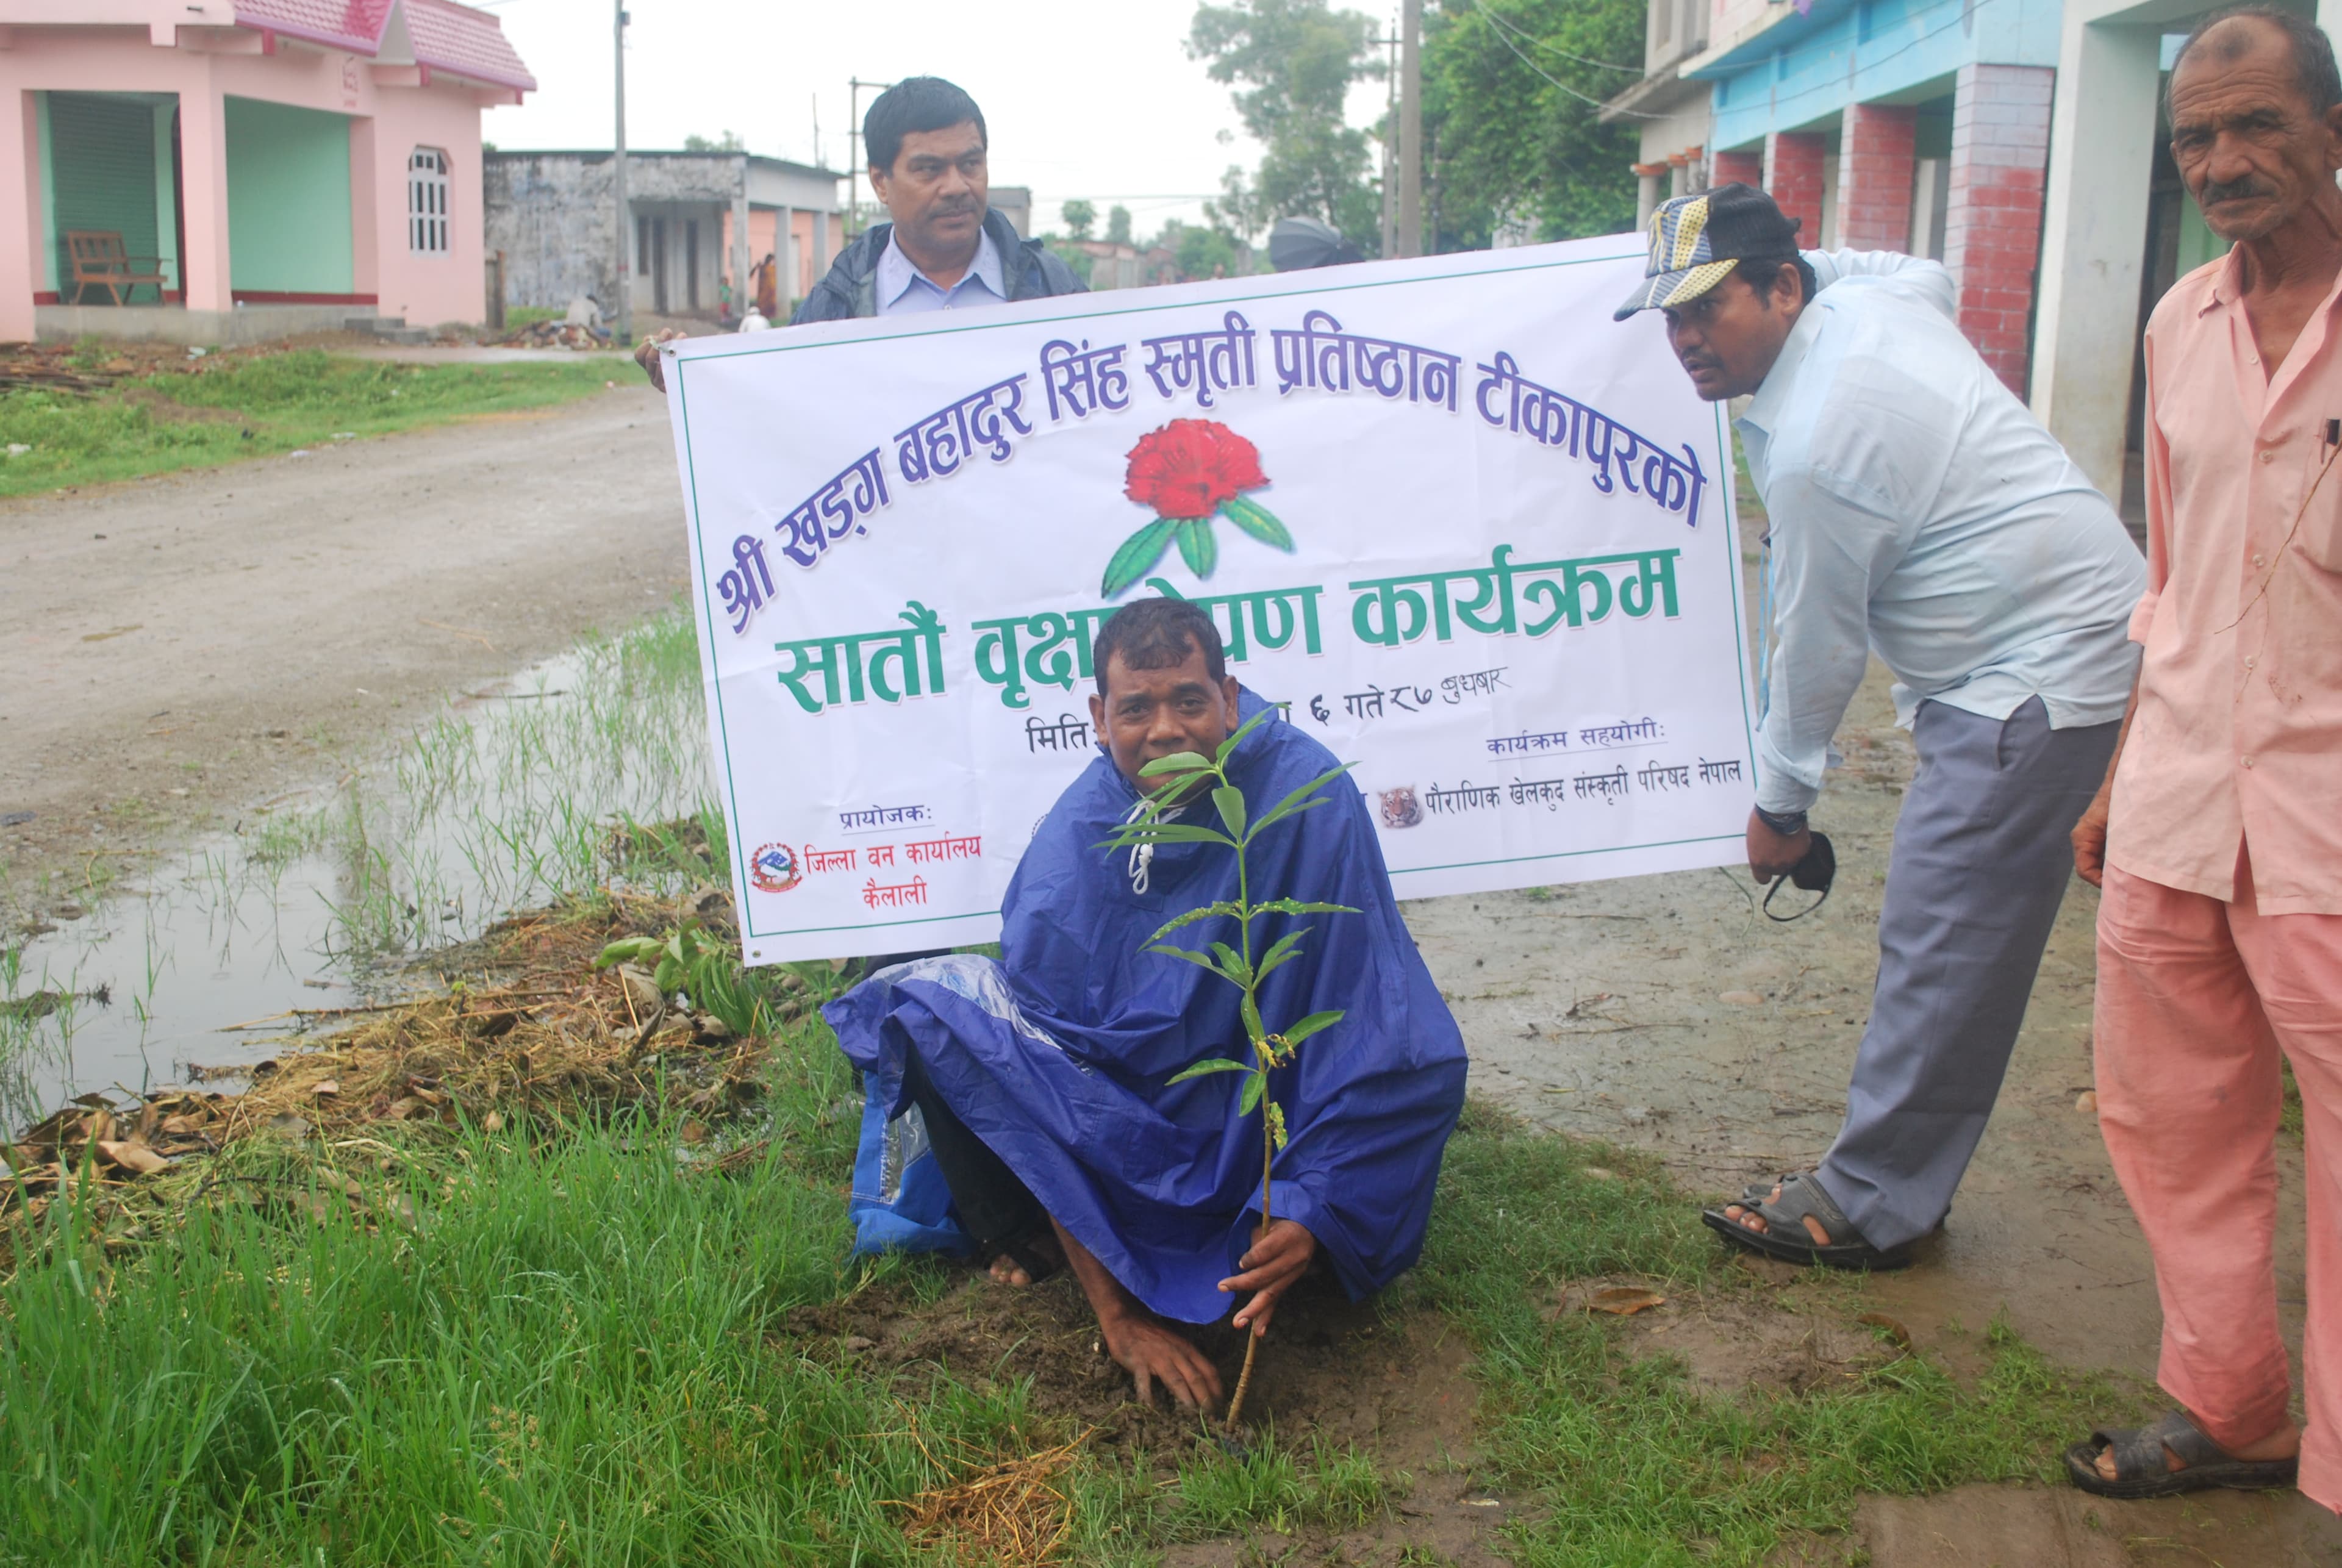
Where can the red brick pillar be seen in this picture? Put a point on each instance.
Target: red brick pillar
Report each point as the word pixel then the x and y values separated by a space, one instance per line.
pixel 1874 177
pixel 1992 230
pixel 1793 177
pixel 1744 168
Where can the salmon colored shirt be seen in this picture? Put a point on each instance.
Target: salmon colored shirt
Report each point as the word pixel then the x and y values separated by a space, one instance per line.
pixel 2238 735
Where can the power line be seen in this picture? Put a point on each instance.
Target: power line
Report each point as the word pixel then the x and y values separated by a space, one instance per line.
pixel 1505 38
pixel 1556 48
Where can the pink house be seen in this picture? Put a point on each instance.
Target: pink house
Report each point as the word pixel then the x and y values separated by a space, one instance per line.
pixel 280 166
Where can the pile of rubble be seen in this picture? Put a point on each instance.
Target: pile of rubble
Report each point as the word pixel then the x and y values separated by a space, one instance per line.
pixel 555 335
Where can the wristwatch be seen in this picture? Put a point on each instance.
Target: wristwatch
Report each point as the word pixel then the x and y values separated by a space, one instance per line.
pixel 1788 824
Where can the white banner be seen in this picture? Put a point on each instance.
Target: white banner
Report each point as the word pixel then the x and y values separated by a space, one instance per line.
pixel 1478 536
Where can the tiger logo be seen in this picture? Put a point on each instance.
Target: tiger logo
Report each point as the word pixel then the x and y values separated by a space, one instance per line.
pixel 1400 808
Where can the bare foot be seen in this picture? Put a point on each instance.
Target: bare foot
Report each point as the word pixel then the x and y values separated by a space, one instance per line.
pixel 2282 1443
pixel 1750 1220
pixel 1007 1271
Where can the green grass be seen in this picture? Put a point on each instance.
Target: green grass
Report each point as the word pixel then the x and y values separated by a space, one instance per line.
pixel 255 406
pixel 584 1340
pixel 1626 1462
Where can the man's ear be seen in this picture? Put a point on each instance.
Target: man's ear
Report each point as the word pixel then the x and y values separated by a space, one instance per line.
pixel 1788 294
pixel 1097 718
pixel 878 184
pixel 1228 692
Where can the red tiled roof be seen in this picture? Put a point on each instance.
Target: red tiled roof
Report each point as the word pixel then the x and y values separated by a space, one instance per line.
pixel 446 36
pixel 468 43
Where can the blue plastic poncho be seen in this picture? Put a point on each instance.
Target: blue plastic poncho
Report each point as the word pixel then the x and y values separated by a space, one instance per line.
pixel 1057 1056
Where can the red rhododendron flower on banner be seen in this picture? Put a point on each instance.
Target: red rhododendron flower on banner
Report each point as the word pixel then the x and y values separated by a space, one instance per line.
pixel 1190 466
pixel 1188 473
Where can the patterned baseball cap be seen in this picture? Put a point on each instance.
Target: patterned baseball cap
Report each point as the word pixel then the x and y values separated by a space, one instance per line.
pixel 1697 241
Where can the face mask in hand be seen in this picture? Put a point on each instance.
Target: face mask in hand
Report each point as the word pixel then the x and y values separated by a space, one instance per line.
pixel 1814 873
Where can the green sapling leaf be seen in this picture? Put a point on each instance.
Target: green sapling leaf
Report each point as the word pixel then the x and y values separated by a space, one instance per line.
pixel 1200 959
pixel 1250 725
pixel 1287 946
pixel 1311 1025
pixel 1232 965
pixel 1252 1092
pixel 1177 763
pixel 1231 802
pixel 1208 1064
pixel 1201 911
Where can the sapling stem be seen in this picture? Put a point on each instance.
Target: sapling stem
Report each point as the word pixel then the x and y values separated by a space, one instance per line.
pixel 1184 775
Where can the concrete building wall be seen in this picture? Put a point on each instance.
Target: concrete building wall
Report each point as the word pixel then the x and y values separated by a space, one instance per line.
pixel 550 213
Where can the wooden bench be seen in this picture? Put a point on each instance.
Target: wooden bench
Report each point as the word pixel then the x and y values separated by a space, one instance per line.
pixel 98 258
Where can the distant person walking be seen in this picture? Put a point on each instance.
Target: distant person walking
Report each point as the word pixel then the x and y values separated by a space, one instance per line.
pixel 1920 513
pixel 945 248
pixel 2218 833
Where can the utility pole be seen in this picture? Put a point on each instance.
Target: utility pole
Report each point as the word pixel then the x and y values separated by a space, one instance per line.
pixel 853 172
pixel 1410 130
pixel 1390 143
pixel 618 179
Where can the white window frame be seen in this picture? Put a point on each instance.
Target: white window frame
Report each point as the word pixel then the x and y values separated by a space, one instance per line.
pixel 427 223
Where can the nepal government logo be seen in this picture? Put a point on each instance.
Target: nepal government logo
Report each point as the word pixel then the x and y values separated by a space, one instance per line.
pixel 774 868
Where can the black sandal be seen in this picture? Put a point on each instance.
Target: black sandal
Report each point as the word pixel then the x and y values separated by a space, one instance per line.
pixel 1785 1235
pixel 2143 1456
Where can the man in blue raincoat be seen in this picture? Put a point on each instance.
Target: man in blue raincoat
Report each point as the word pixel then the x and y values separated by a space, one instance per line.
pixel 1044 1080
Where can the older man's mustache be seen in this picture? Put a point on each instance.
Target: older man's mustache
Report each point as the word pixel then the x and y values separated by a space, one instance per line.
pixel 2238 190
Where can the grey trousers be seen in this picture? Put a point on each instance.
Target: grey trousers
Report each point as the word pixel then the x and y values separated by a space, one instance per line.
pixel 1980 865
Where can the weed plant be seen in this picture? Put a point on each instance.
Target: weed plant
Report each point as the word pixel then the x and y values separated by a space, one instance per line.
pixel 254 406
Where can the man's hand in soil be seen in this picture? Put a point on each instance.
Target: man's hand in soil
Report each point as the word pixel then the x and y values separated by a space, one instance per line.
pixel 1773 854
pixel 1276 1259
pixel 1143 1346
pixel 646 354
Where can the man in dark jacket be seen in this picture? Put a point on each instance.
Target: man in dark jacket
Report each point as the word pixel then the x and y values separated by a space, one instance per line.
pixel 944 249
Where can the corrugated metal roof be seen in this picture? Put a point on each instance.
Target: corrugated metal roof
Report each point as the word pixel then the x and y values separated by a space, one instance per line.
pixel 445 37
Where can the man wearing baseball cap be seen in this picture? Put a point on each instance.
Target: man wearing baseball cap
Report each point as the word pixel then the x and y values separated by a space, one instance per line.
pixel 1917 512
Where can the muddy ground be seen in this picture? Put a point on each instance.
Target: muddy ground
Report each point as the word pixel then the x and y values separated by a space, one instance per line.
pixel 173 650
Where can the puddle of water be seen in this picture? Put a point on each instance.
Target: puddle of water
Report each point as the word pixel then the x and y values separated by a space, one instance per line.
pixel 336 897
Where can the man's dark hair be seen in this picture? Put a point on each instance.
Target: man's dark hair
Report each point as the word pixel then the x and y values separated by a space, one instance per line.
pixel 912 104
pixel 1156 634
pixel 1761 272
pixel 2313 51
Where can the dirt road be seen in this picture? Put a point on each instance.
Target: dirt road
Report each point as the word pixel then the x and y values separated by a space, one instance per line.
pixel 175 648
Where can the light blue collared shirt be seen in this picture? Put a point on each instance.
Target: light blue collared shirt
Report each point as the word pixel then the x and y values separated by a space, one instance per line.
pixel 904 290
pixel 1919 512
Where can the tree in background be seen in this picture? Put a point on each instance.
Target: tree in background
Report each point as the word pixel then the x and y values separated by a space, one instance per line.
pixel 1292 63
pixel 1203 252
pixel 1118 225
pixel 1080 217
pixel 729 142
pixel 1510 88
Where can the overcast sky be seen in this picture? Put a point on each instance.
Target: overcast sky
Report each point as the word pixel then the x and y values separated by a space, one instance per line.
pixel 1083 98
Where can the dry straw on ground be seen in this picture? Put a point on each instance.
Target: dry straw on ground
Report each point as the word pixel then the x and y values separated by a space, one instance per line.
pixel 1007 1514
pixel 554 1037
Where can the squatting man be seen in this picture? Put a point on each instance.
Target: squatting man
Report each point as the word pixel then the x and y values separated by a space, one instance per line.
pixel 1042 1079
pixel 1917 511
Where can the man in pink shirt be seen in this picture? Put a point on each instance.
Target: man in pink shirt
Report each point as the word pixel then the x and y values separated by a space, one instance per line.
pixel 2220 832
